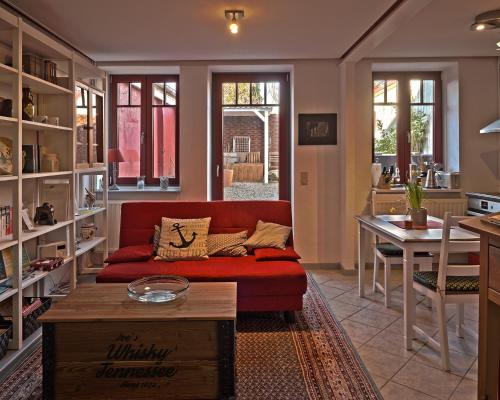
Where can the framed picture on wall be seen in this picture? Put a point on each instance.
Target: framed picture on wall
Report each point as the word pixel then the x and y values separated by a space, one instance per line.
pixel 317 129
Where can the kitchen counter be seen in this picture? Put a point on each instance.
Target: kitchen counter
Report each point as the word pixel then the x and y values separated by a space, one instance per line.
pixel 489 307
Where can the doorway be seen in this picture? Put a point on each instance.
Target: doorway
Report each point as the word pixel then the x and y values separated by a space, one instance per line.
pixel 251 136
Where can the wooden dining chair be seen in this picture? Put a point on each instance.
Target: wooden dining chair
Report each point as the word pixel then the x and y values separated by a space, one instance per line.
pixel 451 284
pixel 387 253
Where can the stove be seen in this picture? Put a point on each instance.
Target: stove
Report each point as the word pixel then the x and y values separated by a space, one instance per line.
pixel 483 203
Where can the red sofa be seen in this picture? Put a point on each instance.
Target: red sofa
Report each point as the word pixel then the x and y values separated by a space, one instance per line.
pixel 276 285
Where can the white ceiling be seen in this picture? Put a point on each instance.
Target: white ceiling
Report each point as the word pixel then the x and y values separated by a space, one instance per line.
pixel 128 30
pixel 116 30
pixel 442 30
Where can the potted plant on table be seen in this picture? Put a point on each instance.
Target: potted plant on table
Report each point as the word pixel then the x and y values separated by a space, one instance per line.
pixel 415 195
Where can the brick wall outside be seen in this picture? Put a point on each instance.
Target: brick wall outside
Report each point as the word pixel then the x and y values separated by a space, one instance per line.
pixel 253 127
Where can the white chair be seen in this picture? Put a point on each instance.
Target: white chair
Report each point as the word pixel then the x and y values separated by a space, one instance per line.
pixel 391 255
pixel 387 253
pixel 455 284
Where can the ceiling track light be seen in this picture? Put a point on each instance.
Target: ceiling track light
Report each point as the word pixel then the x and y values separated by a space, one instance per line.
pixel 486 21
pixel 234 16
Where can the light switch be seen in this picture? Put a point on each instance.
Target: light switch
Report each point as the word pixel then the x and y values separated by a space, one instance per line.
pixel 304 178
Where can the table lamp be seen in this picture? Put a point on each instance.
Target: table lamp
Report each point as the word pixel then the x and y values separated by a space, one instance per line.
pixel 115 156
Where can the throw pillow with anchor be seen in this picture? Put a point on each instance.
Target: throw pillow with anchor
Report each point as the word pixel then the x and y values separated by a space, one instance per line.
pixel 183 239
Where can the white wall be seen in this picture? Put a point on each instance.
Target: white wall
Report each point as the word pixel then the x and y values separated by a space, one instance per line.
pixel 317 205
pixel 315 89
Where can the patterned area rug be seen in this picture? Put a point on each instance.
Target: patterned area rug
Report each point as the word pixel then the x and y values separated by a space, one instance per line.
pixel 310 359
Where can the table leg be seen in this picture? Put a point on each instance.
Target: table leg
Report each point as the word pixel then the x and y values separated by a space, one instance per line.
pixel 362 245
pixel 408 297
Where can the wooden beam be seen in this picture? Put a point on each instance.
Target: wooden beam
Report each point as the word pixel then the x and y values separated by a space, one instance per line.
pixel 396 16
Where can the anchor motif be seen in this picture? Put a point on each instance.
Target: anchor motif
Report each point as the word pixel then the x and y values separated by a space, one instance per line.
pixel 184 243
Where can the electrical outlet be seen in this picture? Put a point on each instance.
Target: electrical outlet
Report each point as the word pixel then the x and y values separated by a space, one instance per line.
pixel 304 178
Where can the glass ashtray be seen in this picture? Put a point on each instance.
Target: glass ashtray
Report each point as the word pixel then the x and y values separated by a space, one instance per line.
pixel 158 289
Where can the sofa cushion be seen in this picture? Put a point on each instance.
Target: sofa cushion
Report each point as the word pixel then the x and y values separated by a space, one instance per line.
pixel 127 254
pixel 269 253
pixel 264 278
pixel 227 244
pixel 183 239
pixel 269 234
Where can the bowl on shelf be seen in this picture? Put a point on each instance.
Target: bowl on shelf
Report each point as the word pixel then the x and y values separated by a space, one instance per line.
pixel 158 289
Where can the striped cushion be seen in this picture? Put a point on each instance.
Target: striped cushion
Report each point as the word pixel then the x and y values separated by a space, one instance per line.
pixel 454 284
pixel 390 250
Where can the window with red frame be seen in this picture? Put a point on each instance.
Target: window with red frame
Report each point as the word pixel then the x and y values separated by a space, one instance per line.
pixel 407 126
pixel 145 114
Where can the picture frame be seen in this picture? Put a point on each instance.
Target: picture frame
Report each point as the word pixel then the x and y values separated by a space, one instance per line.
pixel 317 129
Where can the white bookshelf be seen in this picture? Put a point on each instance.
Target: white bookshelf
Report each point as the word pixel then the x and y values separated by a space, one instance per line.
pixel 24 190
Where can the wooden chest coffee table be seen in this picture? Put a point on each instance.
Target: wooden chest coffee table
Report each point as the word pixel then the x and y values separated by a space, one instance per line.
pixel 100 344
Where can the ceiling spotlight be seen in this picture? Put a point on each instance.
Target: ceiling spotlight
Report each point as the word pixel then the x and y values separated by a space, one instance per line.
pixel 234 16
pixel 486 21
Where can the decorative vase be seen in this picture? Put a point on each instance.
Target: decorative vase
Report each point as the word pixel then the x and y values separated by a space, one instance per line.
pixel 164 180
pixel 28 110
pixel 419 216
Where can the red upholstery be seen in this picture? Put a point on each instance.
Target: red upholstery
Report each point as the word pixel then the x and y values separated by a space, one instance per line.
pixel 272 254
pixel 262 285
pixel 141 252
pixel 138 219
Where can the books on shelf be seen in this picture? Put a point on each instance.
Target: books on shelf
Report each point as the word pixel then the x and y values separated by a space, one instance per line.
pixel 6 263
pixel 6 222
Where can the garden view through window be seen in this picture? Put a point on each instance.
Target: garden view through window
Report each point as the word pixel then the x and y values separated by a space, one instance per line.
pixel 406 120
pixel 250 140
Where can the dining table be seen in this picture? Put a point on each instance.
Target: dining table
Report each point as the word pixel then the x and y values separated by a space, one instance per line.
pixel 391 229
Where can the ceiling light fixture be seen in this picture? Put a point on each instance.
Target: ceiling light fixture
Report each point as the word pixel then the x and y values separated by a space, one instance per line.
pixel 234 16
pixel 486 21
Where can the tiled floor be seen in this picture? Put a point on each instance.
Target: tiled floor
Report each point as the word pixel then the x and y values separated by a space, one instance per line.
pixel 376 332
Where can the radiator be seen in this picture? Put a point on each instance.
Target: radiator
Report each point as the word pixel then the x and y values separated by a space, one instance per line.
pixel 384 203
pixel 114 218
pixel 437 207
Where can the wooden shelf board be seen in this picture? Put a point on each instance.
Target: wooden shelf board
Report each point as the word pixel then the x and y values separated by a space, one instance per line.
pixel 7 294
pixel 41 86
pixel 87 214
pixel 87 245
pixel 6 243
pixel 6 178
pixel 43 229
pixel 38 275
pixel 36 175
pixel 90 170
pixel 91 270
pixel 7 74
pixel 38 126
pixel 7 120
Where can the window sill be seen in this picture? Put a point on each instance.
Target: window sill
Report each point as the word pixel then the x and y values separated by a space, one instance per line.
pixel 148 189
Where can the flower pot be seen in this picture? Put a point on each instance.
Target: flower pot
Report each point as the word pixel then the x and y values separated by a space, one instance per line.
pixel 228 177
pixel 419 216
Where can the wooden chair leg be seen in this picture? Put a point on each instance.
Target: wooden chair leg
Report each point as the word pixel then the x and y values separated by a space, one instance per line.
pixel 426 266
pixel 376 263
pixel 443 335
pixel 460 320
pixel 387 283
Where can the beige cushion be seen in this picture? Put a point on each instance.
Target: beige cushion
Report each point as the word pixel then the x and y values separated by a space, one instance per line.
pixel 268 234
pixel 183 239
pixel 227 244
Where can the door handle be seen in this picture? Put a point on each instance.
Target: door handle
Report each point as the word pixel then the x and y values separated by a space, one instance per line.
pixel 217 170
